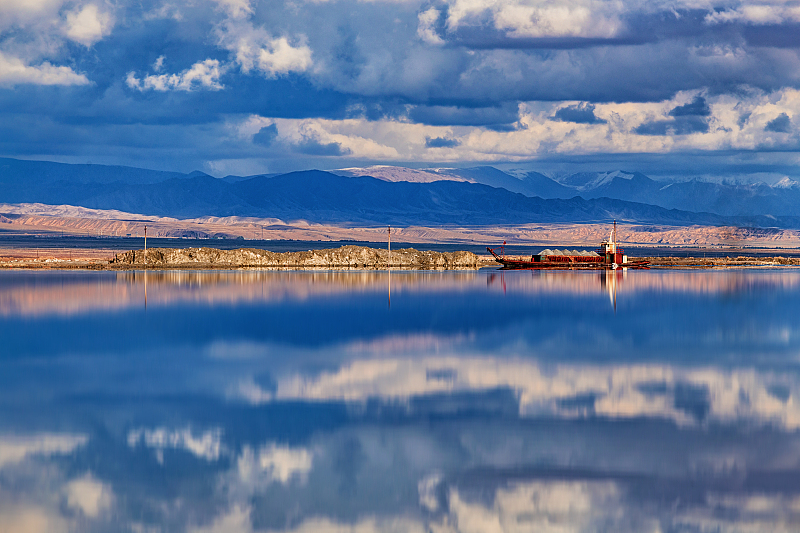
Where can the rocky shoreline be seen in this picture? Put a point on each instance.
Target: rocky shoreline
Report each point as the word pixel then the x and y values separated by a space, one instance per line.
pixel 721 262
pixel 360 257
pixel 345 257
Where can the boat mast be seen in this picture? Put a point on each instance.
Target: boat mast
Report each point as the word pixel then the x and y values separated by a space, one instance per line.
pixel 615 237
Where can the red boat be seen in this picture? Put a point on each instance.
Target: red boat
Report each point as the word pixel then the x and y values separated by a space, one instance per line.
pixel 608 257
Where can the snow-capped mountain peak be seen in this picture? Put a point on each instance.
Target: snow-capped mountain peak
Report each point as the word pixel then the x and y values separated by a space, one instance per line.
pixel 786 183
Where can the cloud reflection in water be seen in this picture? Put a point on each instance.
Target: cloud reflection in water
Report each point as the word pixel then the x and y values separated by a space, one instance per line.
pixel 479 401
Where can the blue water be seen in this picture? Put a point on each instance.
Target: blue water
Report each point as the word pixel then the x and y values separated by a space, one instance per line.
pixel 660 400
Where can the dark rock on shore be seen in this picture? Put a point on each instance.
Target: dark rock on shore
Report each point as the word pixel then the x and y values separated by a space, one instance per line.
pixel 344 257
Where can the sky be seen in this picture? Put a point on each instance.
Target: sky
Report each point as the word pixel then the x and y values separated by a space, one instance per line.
pixel 669 88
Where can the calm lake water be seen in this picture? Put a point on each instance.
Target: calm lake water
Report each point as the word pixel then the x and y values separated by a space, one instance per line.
pixel 640 401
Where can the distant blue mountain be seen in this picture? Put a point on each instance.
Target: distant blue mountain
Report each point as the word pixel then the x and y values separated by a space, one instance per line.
pixel 324 197
pixel 531 184
pixel 725 198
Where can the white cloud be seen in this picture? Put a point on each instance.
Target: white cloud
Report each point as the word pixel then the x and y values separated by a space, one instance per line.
pixel 31 519
pixel 165 11
pixel 14 449
pixel 254 48
pixel 427 491
pixel 26 12
pixel 88 25
pixel 89 496
pixel 537 134
pixel 236 8
pixel 526 18
pixel 756 14
pixel 207 445
pixel 560 20
pixel 159 64
pixel 426 29
pixel 274 463
pixel 594 18
pixel 544 507
pixel 13 71
pixel 235 520
pixel 615 391
pixel 203 74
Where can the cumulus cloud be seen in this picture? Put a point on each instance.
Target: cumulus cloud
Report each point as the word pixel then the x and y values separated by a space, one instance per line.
pixel 207 445
pixel 159 63
pixel 236 8
pixel 274 463
pixel 254 48
pixel 541 506
pixel 687 396
pixel 89 496
pixel 32 519
pixel 15 448
pixel 88 24
pixel 271 56
pixel 13 71
pixel 756 14
pixel 201 75
pixel 524 18
pixel 28 12
pixel 426 30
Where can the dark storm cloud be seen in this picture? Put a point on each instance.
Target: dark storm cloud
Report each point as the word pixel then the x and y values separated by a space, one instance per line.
pixel 266 136
pixel 505 114
pixel 785 35
pixel 680 126
pixel 696 108
pixel 780 124
pixel 441 142
pixel 313 147
pixel 689 118
pixel 582 113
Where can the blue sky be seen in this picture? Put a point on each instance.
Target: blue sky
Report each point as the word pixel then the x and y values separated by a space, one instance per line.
pixel 683 88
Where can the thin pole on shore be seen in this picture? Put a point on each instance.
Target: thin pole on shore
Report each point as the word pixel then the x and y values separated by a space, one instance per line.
pixel 389 266
pixel 145 249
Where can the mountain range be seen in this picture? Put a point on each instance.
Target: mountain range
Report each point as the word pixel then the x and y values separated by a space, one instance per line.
pixel 722 198
pixel 400 196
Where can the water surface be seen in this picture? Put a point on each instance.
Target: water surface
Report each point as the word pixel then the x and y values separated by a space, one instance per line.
pixel 661 400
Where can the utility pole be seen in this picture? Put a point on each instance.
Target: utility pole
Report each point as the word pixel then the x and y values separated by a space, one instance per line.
pixel 145 246
pixel 389 262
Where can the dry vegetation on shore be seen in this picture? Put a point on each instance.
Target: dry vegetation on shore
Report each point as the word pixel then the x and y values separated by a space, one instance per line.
pixel 345 257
